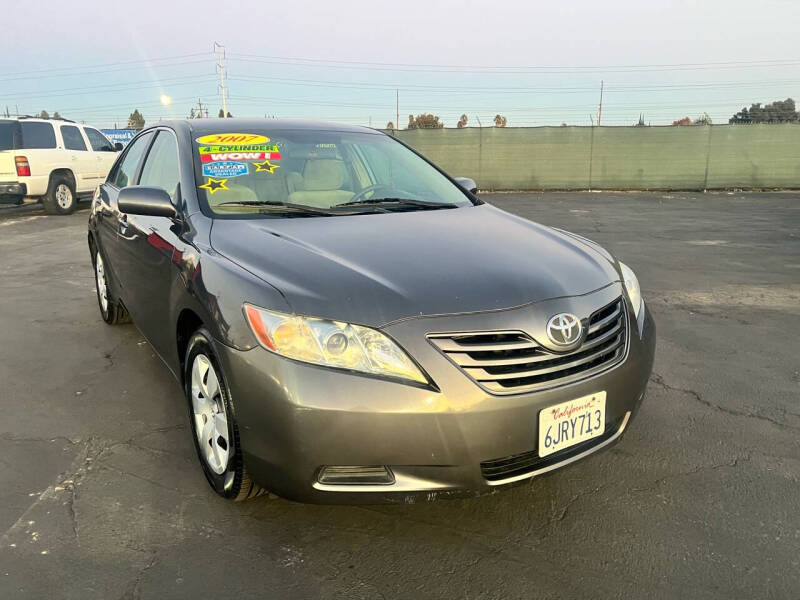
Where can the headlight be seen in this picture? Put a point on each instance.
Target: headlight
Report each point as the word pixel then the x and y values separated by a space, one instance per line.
pixel 331 343
pixel 632 285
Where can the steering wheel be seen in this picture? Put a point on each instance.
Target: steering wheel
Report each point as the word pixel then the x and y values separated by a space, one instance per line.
pixel 362 195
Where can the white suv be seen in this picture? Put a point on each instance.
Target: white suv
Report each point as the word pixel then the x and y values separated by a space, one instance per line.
pixel 54 160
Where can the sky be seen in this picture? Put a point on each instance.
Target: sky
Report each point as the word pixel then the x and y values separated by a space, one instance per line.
pixel 537 63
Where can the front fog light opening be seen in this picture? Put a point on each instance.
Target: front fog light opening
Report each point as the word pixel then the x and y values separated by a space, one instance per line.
pixel 355 475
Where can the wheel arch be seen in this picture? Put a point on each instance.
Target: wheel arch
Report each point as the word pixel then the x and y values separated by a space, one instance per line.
pixel 65 172
pixel 187 323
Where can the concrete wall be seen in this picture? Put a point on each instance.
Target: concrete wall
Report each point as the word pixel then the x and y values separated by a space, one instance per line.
pixel 618 158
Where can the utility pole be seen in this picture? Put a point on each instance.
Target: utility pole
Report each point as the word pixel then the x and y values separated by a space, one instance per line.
pixel 600 110
pixel 202 111
pixel 220 50
pixel 479 121
pixel 397 107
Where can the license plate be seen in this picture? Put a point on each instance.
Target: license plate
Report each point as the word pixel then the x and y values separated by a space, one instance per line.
pixel 569 423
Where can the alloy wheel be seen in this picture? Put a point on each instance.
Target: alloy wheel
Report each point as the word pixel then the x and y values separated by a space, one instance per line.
pixel 102 288
pixel 64 196
pixel 210 416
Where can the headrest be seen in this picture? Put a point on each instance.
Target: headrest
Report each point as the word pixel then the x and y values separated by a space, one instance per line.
pixel 323 174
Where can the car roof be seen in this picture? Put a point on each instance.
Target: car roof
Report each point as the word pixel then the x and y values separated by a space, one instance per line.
pixel 240 125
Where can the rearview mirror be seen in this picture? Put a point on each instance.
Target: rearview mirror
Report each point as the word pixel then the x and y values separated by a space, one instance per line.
pixel 146 200
pixel 118 146
pixel 467 183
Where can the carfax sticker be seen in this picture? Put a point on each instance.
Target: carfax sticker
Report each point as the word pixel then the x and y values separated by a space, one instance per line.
pixel 224 169
pixel 222 156
pixel 232 138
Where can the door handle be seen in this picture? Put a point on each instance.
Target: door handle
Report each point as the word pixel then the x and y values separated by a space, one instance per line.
pixel 123 224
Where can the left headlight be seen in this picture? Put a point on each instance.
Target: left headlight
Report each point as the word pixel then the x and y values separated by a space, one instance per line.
pixel 331 343
pixel 632 286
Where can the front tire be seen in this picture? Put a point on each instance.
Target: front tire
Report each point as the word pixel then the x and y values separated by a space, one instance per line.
pixel 214 428
pixel 60 198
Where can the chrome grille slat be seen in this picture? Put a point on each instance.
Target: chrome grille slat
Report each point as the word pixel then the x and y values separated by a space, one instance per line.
pixel 510 362
pixel 453 345
pixel 483 375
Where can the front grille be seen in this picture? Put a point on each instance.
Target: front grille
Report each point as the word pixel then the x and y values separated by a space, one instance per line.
pixel 510 362
pixel 528 462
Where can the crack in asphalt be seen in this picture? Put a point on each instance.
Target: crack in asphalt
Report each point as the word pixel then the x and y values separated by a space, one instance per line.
pixel 656 483
pixel 133 590
pixel 659 380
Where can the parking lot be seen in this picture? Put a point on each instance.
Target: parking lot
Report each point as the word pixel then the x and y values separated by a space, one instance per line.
pixel 101 495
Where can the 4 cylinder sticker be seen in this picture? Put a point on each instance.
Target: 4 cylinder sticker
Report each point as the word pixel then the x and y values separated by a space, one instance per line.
pixel 214 185
pixel 232 138
pixel 238 148
pixel 224 169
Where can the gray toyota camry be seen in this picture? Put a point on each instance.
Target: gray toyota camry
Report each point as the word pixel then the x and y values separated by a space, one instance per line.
pixel 351 324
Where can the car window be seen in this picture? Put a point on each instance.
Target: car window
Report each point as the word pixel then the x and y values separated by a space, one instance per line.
pixel 123 174
pixel 98 141
pixel 161 165
pixel 73 140
pixel 238 173
pixel 8 133
pixel 37 135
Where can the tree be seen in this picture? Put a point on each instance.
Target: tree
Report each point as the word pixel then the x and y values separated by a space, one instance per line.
pixel 390 125
pixel 44 115
pixel 136 120
pixel 221 114
pixel 641 122
pixel 780 111
pixel 500 121
pixel 424 121
pixel 682 122
pixel 462 122
pixel 703 120
pixel 229 115
pixel 56 115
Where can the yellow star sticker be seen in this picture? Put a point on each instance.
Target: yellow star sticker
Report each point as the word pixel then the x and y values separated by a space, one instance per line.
pixel 213 185
pixel 266 166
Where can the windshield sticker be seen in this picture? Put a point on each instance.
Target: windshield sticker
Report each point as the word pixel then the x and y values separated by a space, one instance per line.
pixel 266 166
pixel 214 185
pixel 238 148
pixel 224 169
pixel 216 157
pixel 232 138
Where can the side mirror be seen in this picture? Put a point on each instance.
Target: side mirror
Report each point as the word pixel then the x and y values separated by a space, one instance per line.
pixel 146 200
pixel 467 183
pixel 118 146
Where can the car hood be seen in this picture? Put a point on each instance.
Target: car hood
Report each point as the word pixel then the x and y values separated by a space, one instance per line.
pixel 373 269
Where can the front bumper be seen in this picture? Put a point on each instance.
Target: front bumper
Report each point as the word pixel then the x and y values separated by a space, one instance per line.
pixel 295 418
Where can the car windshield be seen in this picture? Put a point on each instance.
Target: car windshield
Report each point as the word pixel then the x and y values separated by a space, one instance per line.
pixel 312 173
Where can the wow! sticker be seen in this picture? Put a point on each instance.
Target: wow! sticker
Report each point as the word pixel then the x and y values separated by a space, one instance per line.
pixel 223 156
pixel 224 169
pixel 232 138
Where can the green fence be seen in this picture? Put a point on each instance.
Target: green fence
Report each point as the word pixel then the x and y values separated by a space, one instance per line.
pixel 616 158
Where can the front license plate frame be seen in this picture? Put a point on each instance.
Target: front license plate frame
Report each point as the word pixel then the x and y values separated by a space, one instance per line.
pixel 572 422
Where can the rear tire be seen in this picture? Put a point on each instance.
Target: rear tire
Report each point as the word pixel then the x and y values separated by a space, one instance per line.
pixel 213 422
pixel 112 312
pixel 60 198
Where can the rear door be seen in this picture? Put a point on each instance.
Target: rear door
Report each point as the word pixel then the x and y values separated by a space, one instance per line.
pixel 84 165
pixel 103 152
pixel 111 225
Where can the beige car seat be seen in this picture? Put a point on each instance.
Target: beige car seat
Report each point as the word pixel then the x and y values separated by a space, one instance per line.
pixel 321 184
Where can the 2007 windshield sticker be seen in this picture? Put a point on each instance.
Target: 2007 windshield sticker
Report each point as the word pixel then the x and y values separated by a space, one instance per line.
pixel 232 138
pixel 224 169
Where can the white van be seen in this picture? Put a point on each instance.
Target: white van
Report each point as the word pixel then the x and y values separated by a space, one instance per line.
pixel 52 160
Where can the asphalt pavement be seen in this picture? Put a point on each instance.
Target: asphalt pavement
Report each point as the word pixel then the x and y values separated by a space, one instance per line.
pixel 101 495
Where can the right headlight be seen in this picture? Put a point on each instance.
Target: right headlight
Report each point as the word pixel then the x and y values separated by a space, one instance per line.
pixel 331 343
pixel 632 287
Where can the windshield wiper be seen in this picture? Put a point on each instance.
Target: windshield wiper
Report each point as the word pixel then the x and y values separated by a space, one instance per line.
pixel 267 205
pixel 399 202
